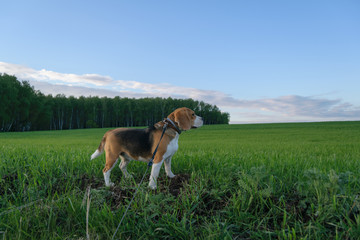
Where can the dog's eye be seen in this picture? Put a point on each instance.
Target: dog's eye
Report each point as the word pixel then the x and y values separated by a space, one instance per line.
pixel 193 114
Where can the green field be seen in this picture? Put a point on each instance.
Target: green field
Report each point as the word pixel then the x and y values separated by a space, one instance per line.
pixel 258 181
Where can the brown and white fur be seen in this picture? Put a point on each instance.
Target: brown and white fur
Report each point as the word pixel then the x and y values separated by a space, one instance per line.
pixel 139 144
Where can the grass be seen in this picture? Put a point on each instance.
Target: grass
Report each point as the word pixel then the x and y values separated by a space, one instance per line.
pixel 256 181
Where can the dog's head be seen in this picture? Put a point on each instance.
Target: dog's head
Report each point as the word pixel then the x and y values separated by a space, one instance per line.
pixel 186 118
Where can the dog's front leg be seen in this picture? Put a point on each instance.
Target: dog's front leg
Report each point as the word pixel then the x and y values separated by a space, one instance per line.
pixel 154 174
pixel 168 171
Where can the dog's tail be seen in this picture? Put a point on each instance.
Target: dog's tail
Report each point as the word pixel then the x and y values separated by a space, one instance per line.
pixel 100 149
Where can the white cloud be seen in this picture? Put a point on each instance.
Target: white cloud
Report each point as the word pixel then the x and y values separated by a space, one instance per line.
pixel 27 73
pixel 280 109
pixel 294 108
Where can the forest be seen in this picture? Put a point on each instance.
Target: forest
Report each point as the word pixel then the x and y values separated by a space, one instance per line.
pixel 25 109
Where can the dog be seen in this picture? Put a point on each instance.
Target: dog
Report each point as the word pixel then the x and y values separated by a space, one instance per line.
pixel 139 144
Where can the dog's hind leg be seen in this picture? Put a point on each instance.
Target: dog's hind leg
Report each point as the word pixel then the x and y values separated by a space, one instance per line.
pixel 111 160
pixel 123 164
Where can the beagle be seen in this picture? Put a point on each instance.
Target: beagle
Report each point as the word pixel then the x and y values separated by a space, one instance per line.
pixel 139 144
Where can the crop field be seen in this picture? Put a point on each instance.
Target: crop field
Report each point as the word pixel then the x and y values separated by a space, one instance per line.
pixel 251 181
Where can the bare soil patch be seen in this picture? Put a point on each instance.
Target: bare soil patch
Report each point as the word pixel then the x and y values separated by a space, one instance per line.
pixel 173 185
pixel 118 195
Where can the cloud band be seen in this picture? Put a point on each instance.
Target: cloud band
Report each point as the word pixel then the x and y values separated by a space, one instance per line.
pixel 283 108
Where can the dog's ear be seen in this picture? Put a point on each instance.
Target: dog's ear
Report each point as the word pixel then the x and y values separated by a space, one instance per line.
pixel 183 119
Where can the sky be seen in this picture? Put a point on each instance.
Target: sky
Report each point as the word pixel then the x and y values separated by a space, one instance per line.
pixel 261 61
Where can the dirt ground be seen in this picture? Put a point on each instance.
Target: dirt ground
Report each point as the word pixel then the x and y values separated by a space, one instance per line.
pixel 118 194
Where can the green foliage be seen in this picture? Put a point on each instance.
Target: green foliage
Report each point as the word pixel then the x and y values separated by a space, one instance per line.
pixel 23 109
pixel 260 181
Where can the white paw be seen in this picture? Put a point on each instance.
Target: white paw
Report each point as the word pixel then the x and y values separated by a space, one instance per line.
pixel 128 175
pixel 152 185
pixel 111 184
pixel 171 175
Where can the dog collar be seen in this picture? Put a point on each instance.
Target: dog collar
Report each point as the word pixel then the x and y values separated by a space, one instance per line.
pixel 173 124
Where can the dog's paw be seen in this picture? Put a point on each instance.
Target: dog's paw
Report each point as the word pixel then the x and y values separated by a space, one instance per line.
pixel 111 184
pixel 152 185
pixel 171 175
pixel 128 176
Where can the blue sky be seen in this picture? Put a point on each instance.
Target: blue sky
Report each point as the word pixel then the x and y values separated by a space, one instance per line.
pixel 261 61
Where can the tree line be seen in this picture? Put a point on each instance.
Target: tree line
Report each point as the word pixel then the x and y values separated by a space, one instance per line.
pixel 22 108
